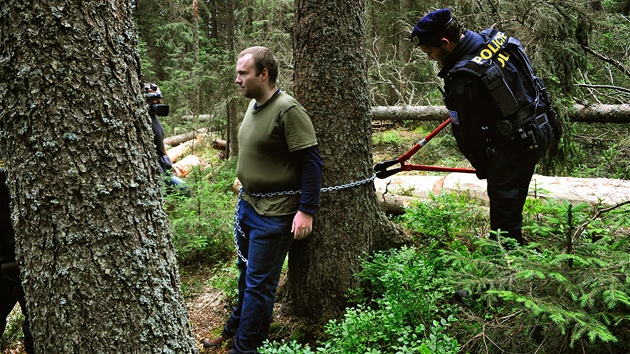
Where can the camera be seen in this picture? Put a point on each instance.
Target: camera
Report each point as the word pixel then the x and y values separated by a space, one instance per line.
pixel 160 110
pixel 153 97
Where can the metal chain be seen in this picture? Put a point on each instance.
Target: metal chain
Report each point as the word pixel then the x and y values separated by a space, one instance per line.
pixel 237 225
pixel 349 185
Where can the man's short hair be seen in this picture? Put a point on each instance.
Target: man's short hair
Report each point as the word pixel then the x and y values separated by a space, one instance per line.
pixel 263 59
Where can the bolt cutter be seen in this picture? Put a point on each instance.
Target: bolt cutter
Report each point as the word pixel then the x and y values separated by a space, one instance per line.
pixel 382 171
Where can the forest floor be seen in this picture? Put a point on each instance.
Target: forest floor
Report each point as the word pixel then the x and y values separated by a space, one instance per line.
pixel 209 308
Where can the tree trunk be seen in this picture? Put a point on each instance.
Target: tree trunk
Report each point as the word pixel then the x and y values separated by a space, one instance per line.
pixel 224 27
pixel 233 125
pixel 330 67
pixel 92 239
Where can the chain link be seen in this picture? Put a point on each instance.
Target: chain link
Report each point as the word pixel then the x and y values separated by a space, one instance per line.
pixel 237 226
pixel 349 185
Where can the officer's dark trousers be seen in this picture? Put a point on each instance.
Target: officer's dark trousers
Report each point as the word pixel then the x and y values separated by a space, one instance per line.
pixel 510 171
pixel 12 293
pixel 508 183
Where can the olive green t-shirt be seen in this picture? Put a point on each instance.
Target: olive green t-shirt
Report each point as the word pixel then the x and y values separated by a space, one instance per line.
pixel 267 137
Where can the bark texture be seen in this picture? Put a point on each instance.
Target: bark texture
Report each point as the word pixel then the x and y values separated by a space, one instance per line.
pixel 330 81
pixel 92 238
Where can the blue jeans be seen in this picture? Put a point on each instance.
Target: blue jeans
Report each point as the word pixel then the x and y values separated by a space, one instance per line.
pixel 267 242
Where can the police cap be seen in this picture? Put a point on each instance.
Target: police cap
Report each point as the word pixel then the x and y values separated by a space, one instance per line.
pixel 430 26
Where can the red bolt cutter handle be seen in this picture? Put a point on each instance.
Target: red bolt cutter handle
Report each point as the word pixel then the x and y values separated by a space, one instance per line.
pixel 383 172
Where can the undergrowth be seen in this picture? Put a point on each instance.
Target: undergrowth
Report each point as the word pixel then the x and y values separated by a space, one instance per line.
pixel 566 291
pixel 400 308
pixel 202 223
pixel 12 335
pixel 202 229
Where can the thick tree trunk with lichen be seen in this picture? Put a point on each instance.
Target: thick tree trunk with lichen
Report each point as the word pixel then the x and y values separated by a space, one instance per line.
pixel 92 238
pixel 330 80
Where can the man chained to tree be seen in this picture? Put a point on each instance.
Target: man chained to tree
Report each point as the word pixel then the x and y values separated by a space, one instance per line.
pixel 280 169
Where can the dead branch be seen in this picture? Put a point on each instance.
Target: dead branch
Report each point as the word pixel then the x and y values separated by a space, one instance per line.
pixel 608 60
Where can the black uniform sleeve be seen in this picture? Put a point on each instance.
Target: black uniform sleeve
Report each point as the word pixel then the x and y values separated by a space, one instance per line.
pixel 311 167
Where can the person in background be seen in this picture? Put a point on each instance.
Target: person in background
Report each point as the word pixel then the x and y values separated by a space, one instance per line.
pixel 278 155
pixel 153 97
pixel 11 291
pixel 504 149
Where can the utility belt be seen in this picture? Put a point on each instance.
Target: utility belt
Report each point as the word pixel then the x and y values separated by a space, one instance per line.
pixel 525 133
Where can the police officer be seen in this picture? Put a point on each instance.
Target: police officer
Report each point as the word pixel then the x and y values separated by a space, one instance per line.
pixel 11 291
pixel 503 150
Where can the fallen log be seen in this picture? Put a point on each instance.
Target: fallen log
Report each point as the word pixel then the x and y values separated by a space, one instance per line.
pixel 183 167
pixel 598 113
pixel 602 113
pixel 201 117
pixel 594 191
pixel 175 153
pixel 175 140
pixel 219 144
pixel 398 113
pixel 396 204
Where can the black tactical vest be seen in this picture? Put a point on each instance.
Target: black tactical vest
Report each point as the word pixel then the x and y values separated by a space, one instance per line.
pixel 505 71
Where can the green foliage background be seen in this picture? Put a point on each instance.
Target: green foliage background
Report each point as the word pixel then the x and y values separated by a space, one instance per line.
pixel 579 47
